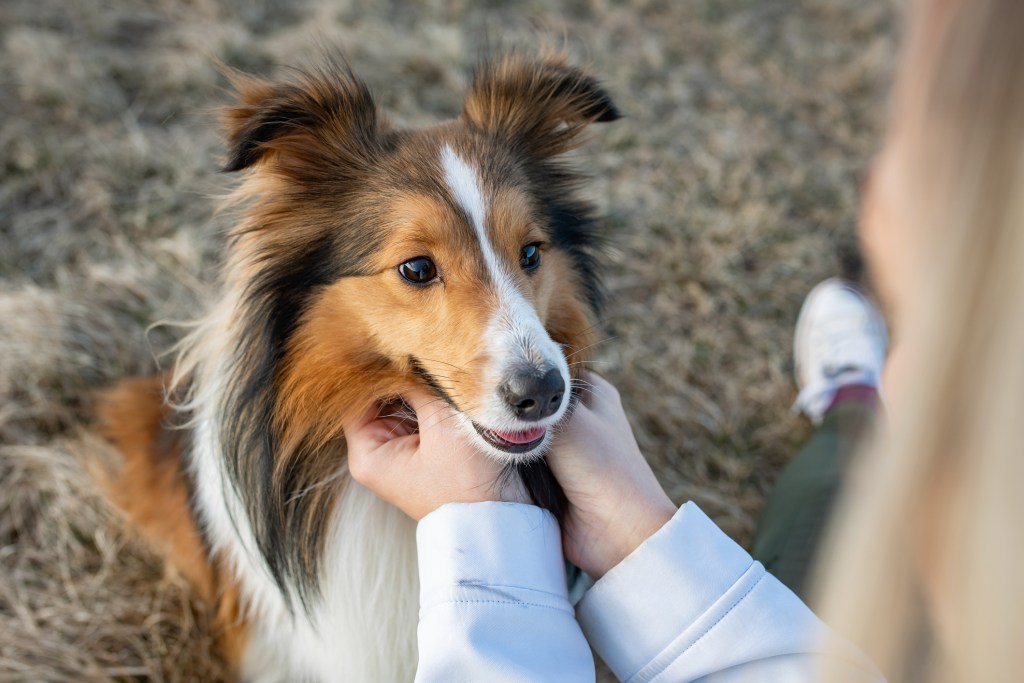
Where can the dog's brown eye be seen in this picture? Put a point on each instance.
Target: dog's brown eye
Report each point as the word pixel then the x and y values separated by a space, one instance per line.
pixel 529 257
pixel 418 271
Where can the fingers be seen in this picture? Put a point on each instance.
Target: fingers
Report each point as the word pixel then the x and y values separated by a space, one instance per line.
pixel 377 425
pixel 421 471
pixel 430 409
pixel 601 396
pixel 602 389
pixel 376 444
pixel 363 419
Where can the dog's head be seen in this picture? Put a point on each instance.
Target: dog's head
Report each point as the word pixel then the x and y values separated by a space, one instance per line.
pixel 454 256
pixel 370 259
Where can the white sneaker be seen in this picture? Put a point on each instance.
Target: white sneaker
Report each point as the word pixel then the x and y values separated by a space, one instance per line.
pixel 840 340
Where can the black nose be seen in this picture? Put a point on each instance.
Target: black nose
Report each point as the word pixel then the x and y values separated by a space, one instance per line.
pixel 533 396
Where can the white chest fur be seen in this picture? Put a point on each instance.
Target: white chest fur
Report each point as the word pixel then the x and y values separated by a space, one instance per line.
pixel 363 625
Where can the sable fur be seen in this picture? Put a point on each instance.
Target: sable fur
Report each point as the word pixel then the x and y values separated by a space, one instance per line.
pixel 320 134
pixel 284 358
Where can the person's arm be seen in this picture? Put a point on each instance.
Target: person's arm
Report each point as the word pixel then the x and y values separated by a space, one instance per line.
pixel 676 599
pixel 493 602
pixel 689 603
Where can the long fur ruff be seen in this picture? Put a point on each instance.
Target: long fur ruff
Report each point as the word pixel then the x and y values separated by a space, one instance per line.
pixel 235 464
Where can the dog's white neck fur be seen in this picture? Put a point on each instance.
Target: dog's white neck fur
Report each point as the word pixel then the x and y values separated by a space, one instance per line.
pixel 515 334
pixel 363 625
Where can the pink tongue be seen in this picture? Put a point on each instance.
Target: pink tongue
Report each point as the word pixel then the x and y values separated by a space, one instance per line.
pixel 522 437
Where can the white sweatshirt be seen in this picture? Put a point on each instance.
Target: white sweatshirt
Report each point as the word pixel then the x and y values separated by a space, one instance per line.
pixel 687 605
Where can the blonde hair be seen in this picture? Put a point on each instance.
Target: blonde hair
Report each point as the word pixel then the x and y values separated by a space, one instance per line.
pixel 921 569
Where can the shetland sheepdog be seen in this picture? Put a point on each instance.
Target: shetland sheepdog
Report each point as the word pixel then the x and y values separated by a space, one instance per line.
pixel 365 260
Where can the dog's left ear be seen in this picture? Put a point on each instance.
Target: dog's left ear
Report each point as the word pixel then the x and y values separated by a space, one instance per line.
pixel 540 104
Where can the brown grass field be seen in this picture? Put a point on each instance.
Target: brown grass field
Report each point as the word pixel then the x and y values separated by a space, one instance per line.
pixel 730 189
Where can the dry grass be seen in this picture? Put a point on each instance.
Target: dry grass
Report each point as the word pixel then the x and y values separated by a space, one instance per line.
pixel 731 188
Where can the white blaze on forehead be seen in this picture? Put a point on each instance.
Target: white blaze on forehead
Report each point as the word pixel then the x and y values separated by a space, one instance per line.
pixel 515 334
pixel 462 181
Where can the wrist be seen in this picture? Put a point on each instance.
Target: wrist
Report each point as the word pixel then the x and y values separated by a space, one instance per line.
pixel 630 532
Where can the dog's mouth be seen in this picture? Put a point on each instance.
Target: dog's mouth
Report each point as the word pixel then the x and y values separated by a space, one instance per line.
pixel 513 442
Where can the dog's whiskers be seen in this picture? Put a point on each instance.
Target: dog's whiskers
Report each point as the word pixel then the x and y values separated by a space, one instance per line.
pixel 590 346
pixel 441 362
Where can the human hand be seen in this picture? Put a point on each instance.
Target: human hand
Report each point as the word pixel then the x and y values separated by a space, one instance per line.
pixel 420 465
pixel 615 502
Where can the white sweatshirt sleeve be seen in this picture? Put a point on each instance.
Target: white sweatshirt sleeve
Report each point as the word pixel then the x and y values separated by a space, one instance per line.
pixel 493 599
pixel 688 605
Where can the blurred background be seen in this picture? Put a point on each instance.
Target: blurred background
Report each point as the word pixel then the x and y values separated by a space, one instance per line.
pixel 730 189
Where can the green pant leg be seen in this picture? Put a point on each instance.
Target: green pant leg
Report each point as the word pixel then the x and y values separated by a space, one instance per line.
pixel 797 510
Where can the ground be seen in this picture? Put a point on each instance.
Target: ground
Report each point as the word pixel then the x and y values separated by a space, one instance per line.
pixel 730 188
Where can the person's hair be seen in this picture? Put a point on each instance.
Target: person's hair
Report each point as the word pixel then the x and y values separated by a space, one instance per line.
pixel 922 566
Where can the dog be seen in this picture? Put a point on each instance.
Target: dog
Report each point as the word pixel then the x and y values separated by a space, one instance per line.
pixel 365 260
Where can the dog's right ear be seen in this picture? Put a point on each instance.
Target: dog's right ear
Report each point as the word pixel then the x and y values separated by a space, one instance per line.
pixel 315 119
